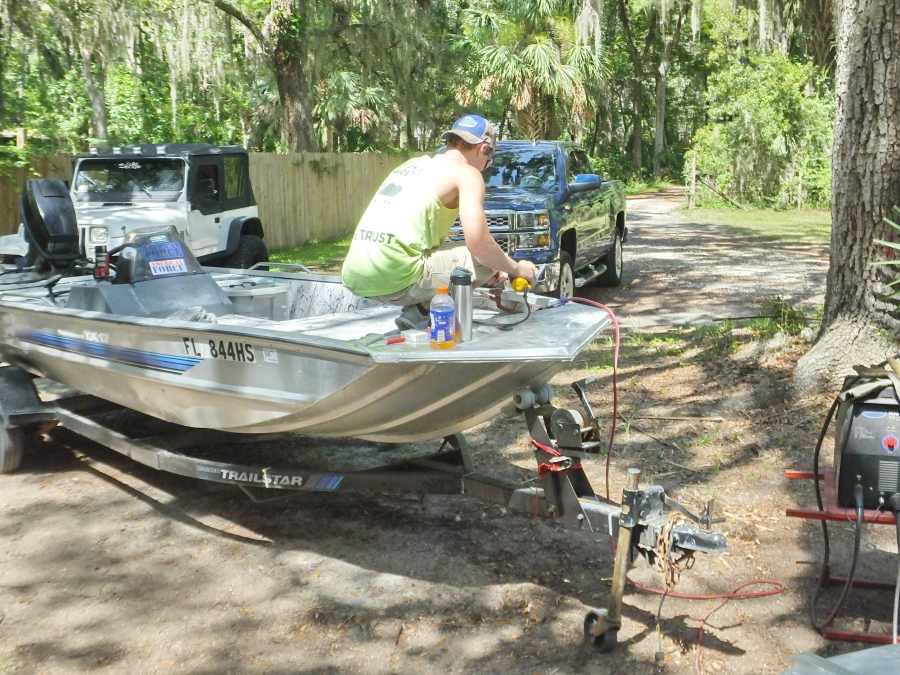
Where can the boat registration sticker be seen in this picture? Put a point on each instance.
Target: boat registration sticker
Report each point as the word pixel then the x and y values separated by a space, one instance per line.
pixel 222 350
pixel 173 266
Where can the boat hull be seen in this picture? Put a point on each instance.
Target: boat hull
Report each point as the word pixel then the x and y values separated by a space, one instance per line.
pixel 226 379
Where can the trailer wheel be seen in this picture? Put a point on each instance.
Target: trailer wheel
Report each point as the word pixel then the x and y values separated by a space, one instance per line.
pixel 251 250
pixel 606 641
pixel 12 448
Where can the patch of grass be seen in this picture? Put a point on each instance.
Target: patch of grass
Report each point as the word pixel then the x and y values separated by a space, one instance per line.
pixel 325 256
pixel 715 340
pixel 640 187
pixel 599 356
pixel 806 225
pixel 784 319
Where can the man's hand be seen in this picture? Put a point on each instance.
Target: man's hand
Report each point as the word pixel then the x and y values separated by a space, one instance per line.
pixel 527 270
pixel 496 279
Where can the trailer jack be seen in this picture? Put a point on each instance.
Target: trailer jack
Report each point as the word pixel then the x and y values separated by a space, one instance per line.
pixel 647 522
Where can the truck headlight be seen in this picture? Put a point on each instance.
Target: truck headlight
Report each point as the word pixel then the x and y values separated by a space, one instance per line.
pixel 98 236
pixel 533 220
pixel 534 240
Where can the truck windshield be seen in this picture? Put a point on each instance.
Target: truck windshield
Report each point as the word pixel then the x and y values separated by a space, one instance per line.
pixel 126 179
pixel 524 168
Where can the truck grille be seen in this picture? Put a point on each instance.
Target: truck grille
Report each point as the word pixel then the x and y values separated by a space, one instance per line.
pixel 505 244
pixel 499 221
pixel 495 221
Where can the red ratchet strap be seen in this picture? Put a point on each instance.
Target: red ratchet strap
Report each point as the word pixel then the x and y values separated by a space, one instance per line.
pixel 549 467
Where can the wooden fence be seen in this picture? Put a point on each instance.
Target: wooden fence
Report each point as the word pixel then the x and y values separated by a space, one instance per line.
pixel 301 197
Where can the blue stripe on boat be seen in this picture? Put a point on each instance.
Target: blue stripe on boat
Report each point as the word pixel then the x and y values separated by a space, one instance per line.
pixel 133 357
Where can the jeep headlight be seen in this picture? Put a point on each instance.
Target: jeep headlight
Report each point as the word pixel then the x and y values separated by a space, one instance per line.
pixel 98 236
pixel 533 220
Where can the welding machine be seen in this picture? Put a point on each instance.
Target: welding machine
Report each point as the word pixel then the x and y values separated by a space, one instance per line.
pixel 867 441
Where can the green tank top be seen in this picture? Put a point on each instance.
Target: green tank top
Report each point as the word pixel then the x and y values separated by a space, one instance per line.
pixel 403 223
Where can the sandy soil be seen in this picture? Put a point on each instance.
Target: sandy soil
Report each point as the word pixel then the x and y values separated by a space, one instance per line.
pixel 109 567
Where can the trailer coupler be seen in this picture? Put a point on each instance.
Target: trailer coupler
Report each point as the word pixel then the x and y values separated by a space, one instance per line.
pixel 647 521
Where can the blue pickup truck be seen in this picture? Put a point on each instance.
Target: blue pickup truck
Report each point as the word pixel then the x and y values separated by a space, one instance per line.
pixel 544 204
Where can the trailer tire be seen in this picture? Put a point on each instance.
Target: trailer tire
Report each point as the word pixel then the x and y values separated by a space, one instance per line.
pixel 12 449
pixel 606 641
pixel 251 250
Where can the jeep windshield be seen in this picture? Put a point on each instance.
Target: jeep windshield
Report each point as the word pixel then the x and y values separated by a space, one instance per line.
pixel 122 179
pixel 530 168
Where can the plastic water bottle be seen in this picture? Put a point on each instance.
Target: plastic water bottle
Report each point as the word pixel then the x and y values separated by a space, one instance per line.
pixel 443 320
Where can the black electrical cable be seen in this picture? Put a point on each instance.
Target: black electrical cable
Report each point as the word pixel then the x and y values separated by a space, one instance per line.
pixel 857 537
pixel 503 325
pixel 858 497
pixel 895 504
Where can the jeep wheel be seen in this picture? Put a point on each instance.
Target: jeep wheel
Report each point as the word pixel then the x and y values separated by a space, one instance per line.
pixel 251 250
pixel 566 286
pixel 614 264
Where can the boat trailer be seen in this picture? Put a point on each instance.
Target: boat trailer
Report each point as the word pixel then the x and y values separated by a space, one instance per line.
pixel 647 521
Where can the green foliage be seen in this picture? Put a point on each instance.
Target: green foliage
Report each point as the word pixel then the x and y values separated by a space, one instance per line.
pixel 780 317
pixel 715 340
pixel 803 225
pixel 768 142
pixel 390 75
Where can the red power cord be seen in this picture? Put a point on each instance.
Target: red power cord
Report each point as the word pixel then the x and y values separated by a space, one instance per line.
pixel 777 587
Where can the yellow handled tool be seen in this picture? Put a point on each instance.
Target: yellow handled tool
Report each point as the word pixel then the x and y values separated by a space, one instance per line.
pixel 520 284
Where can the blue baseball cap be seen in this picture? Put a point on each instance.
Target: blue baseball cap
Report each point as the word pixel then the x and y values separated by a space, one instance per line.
pixel 473 129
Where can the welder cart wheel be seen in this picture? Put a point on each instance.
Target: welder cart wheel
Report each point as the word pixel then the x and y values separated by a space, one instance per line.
pixel 605 641
pixel 12 447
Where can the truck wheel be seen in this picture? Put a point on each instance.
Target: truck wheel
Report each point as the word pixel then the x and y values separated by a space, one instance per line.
pixel 251 250
pixel 12 447
pixel 614 264
pixel 566 286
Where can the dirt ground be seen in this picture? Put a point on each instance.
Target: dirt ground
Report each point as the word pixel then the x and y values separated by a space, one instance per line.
pixel 109 567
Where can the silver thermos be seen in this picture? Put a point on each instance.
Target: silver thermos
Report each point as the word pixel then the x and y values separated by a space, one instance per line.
pixel 461 292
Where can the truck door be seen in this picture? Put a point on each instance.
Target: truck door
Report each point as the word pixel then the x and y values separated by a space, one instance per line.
pixel 205 215
pixel 586 209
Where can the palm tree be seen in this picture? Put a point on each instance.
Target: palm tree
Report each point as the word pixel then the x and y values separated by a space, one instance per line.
pixel 345 103
pixel 540 57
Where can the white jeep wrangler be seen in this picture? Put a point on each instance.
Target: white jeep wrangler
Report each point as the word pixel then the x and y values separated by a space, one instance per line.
pixel 203 190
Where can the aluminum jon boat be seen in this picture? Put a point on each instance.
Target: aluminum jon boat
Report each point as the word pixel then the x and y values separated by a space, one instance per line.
pixel 263 351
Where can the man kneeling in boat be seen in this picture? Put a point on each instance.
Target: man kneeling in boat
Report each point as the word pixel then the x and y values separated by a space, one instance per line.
pixel 395 256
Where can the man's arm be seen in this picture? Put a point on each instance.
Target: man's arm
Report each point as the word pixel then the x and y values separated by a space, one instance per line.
pixel 479 241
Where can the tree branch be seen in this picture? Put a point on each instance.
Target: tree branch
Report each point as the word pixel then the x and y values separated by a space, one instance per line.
pixel 238 15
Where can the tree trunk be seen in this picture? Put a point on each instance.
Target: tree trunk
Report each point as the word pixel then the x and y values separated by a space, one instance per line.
pixel 94 85
pixel 659 132
pixel 296 107
pixel 765 24
pixel 636 150
pixel 779 31
pixel 865 184
pixel 662 81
